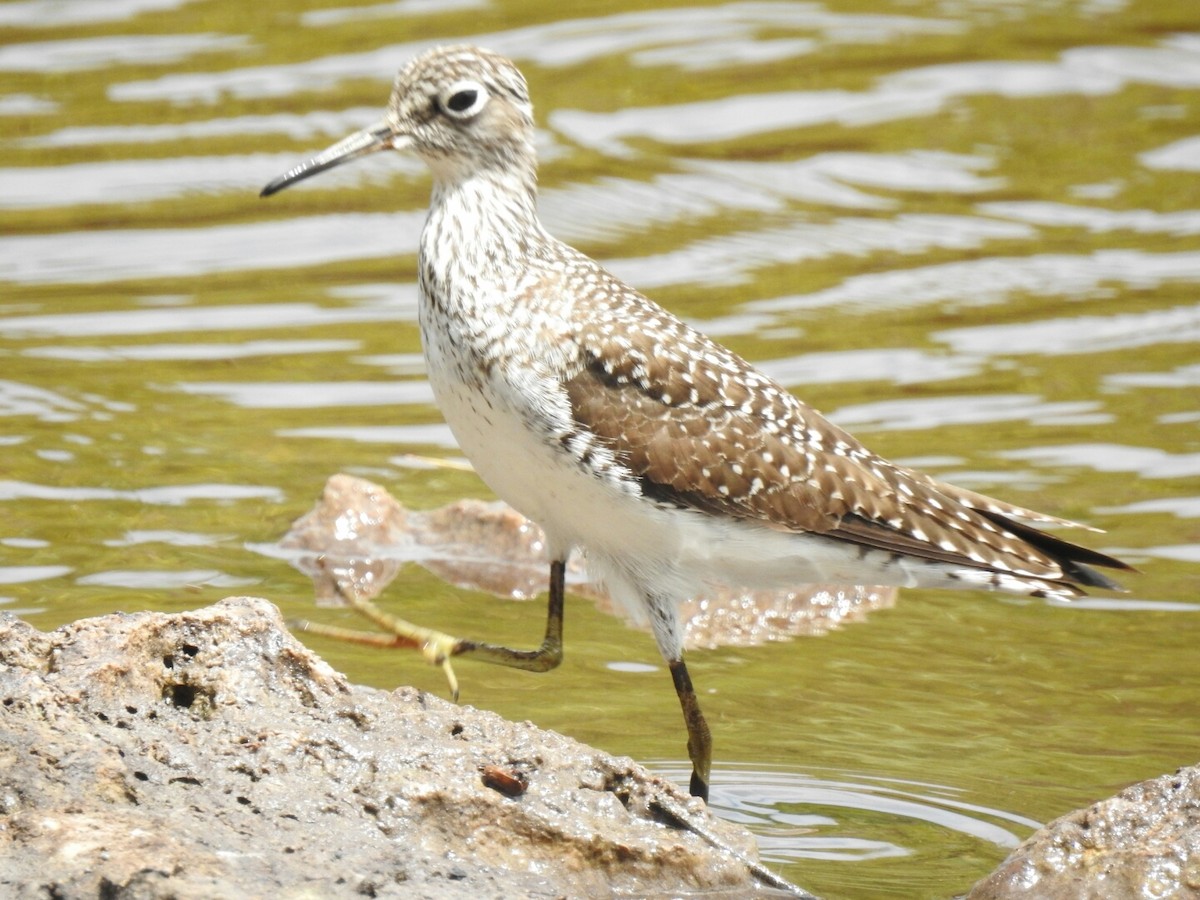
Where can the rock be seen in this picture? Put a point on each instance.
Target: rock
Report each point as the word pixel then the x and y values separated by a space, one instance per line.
pixel 209 754
pixel 1144 842
pixel 358 537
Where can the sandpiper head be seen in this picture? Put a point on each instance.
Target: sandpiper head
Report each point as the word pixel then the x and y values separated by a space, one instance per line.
pixel 459 108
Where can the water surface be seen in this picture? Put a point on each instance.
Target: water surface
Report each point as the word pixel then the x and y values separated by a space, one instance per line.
pixel 968 231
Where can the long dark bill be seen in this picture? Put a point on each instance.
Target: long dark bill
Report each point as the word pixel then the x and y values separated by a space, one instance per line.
pixel 361 143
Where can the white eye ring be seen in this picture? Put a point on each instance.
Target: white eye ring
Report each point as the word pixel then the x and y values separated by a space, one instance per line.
pixel 463 99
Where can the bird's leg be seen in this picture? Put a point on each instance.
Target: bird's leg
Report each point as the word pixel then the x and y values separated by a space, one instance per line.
pixel 439 648
pixel 545 657
pixel 699 738
pixel 434 645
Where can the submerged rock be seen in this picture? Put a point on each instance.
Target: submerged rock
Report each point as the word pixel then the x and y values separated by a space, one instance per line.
pixel 210 754
pixel 358 537
pixel 1144 842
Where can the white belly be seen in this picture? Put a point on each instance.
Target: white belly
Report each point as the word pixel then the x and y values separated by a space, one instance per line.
pixel 522 462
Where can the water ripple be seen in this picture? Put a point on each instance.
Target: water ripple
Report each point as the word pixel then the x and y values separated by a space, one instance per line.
pixel 766 799
pixel 80 257
pixel 64 13
pixel 662 35
pixel 147 180
pixel 320 18
pixel 19 399
pixel 730 258
pixel 1182 155
pixel 1145 462
pixel 170 495
pixel 113 50
pixel 1079 334
pixel 177 319
pixel 155 579
pixel 313 395
pixel 905 94
pixel 25 574
pixel 297 126
pixel 1094 219
pixel 979 282
pixel 936 412
pixel 179 352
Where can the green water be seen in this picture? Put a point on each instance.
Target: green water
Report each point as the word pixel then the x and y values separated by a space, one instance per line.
pixel 970 232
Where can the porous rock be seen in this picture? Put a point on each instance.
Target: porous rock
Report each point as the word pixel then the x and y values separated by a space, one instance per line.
pixel 1144 842
pixel 209 754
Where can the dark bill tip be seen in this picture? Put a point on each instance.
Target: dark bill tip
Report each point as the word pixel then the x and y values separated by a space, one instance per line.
pixel 361 143
pixel 290 177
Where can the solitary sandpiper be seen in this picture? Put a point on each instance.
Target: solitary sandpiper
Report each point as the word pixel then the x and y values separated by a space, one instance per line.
pixel 669 460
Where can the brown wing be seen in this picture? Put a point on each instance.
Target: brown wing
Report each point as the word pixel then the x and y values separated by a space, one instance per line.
pixel 702 429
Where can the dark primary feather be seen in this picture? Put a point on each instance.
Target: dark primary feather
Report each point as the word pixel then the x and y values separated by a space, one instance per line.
pixel 1076 561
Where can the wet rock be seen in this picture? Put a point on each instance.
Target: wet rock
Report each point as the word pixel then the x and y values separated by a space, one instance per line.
pixel 354 541
pixel 358 537
pixel 1144 842
pixel 209 754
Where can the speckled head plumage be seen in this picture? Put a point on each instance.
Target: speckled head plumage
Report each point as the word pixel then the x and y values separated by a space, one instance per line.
pixel 460 108
pixel 462 103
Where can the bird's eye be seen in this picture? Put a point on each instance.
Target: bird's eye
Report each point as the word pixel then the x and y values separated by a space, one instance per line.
pixel 463 99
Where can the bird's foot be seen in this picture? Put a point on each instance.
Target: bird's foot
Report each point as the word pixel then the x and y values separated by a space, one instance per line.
pixel 437 649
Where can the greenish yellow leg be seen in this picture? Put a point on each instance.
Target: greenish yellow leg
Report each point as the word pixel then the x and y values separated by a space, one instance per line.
pixel 439 648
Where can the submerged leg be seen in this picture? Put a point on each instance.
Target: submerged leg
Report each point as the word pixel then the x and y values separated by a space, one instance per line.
pixel 439 648
pixel 699 738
